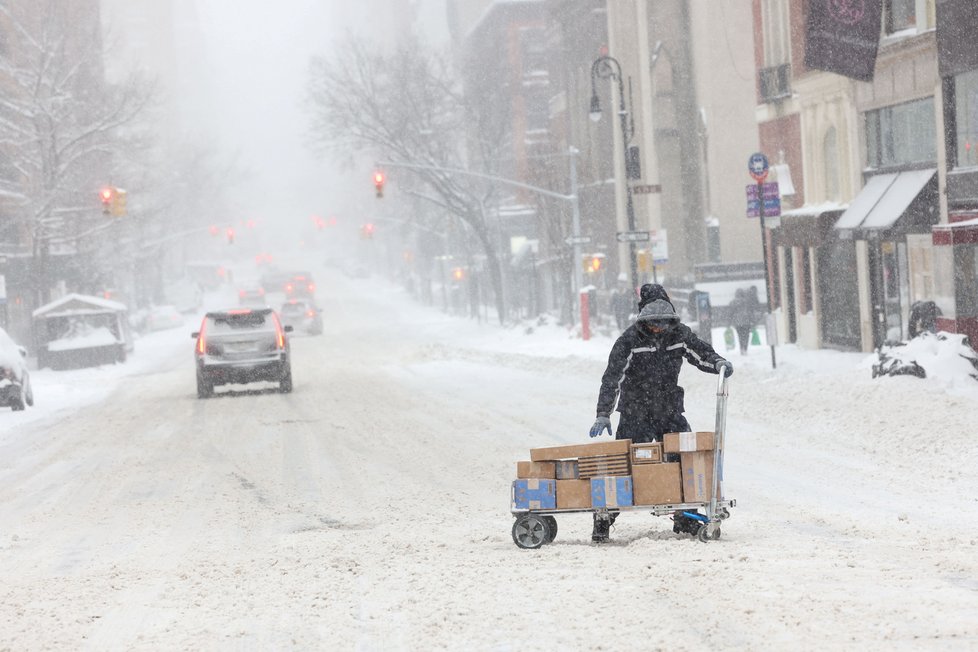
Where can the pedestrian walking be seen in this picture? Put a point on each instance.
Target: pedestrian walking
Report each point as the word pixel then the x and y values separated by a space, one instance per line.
pixel 742 317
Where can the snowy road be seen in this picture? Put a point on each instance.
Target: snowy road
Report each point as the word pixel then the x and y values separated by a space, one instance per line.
pixel 368 510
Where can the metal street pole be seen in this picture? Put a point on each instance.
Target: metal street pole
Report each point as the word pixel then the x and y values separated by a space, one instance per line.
pixel 609 67
pixel 767 274
pixel 576 225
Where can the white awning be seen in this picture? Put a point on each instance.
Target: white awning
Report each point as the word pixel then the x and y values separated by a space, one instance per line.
pixel 884 199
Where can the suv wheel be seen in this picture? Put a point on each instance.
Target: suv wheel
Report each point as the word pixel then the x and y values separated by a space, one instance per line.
pixel 204 388
pixel 19 402
pixel 285 385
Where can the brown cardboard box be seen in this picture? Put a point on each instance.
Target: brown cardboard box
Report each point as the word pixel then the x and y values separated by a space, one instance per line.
pixel 650 453
pixel 687 442
pixel 599 466
pixel 573 494
pixel 657 484
pixel 617 446
pixel 567 470
pixel 697 476
pixel 545 470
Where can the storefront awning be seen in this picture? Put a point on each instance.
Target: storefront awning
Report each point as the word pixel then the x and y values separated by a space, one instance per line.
pixel 808 225
pixel 885 199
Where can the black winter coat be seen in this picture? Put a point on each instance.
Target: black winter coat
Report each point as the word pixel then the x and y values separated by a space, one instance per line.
pixel 643 371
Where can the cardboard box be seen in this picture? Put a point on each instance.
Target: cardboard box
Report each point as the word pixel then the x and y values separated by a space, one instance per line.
pixel 657 484
pixel 534 493
pixel 567 470
pixel 611 492
pixel 599 466
pixel 687 442
pixel 545 470
pixel 574 451
pixel 650 453
pixel 697 476
pixel 573 494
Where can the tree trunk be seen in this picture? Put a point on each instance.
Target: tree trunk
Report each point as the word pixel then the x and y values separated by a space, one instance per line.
pixel 495 273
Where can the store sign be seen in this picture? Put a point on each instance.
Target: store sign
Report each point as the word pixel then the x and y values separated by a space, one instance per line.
pixel 843 36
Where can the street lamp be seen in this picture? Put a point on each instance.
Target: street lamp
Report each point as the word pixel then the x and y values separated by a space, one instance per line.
pixel 606 67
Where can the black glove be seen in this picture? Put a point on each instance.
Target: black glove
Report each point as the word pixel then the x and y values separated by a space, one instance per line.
pixel 726 366
pixel 600 425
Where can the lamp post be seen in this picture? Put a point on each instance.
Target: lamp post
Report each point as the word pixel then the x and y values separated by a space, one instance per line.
pixel 606 67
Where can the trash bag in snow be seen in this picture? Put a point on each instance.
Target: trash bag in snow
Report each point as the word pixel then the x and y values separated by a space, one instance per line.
pixel 942 355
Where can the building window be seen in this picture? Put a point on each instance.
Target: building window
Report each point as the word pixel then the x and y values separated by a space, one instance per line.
pixel 899 15
pixel 830 158
pixel 777 42
pixel 901 134
pixel 966 118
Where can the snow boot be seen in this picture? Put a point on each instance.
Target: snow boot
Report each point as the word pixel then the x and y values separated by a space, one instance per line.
pixel 602 529
pixel 683 524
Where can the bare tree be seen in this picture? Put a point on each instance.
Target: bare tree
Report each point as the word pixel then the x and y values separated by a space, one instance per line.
pixel 59 121
pixel 406 106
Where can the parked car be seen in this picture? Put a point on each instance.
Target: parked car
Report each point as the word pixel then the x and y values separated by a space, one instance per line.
pixel 159 318
pixel 302 316
pixel 15 380
pixel 242 346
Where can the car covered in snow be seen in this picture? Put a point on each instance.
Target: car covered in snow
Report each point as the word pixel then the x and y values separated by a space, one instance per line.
pixel 242 346
pixel 15 380
pixel 303 316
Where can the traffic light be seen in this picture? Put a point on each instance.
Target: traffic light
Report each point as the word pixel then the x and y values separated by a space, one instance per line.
pixel 113 201
pixel 379 183
pixel 119 202
pixel 593 263
pixel 230 234
pixel 106 194
pixel 367 231
pixel 458 273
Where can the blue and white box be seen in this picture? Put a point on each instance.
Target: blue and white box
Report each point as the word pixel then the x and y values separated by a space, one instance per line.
pixel 535 493
pixel 613 491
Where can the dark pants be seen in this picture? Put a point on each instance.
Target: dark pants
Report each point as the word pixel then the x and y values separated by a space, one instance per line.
pixel 743 337
pixel 642 429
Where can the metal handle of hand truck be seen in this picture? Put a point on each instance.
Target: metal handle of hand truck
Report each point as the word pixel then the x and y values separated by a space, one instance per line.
pixel 716 491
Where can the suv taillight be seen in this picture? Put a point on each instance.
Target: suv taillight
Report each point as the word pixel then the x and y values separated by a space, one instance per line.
pixel 279 332
pixel 201 344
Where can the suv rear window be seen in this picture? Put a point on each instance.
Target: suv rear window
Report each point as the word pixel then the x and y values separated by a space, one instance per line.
pixel 229 323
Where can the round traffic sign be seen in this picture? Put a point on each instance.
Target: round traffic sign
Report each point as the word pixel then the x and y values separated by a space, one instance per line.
pixel 757 165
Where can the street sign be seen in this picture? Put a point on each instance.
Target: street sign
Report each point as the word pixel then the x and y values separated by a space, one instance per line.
pixel 772 208
pixel 646 189
pixel 772 200
pixel 660 247
pixel 633 236
pixel 757 165
pixel 577 240
pixel 769 190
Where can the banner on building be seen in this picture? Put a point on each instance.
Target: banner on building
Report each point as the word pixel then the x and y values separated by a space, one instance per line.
pixel 843 36
pixel 957 24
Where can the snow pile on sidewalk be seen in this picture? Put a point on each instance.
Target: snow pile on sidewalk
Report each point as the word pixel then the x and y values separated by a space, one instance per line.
pixel 946 357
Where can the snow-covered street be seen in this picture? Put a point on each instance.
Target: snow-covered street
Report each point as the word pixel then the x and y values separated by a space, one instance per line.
pixel 369 509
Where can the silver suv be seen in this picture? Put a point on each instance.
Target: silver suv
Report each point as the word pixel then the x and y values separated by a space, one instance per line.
pixel 242 346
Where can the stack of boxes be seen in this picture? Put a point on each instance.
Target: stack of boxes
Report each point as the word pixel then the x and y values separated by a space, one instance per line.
pixel 616 474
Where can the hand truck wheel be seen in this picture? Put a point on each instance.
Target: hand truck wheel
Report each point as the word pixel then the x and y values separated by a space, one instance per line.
pixel 551 528
pixel 704 535
pixel 530 531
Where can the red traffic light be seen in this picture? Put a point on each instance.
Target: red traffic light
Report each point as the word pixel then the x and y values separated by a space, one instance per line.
pixel 105 194
pixel 379 183
pixel 230 233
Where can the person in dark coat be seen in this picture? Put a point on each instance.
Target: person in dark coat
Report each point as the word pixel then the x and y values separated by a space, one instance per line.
pixel 743 317
pixel 643 377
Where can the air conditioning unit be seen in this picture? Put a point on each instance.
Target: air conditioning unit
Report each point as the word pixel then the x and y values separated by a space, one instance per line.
pixel 775 82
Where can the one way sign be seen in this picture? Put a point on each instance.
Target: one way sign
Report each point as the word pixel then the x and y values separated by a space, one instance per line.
pixel 633 236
